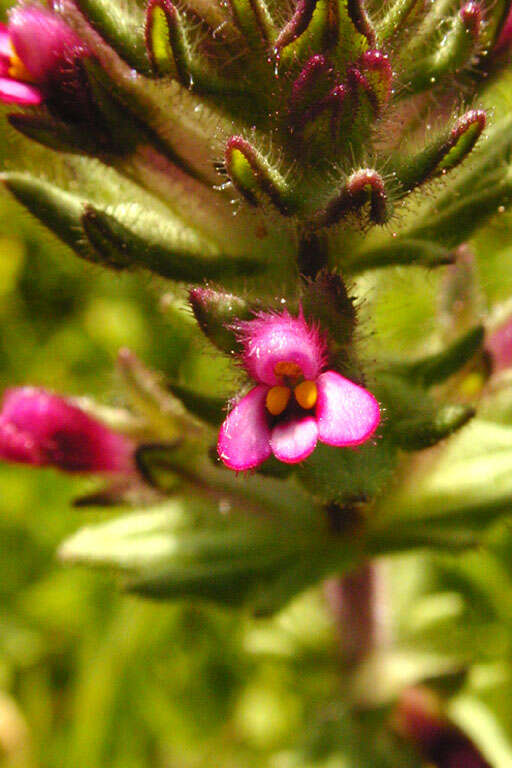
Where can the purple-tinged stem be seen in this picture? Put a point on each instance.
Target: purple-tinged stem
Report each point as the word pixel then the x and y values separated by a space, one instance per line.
pixel 355 602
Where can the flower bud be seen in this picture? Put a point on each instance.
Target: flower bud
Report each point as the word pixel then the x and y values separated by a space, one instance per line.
pixel 43 429
pixel 420 720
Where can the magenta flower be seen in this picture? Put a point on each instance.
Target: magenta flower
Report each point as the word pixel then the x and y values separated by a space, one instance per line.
pixel 499 345
pixel 419 719
pixel 38 57
pixel 296 402
pixel 505 38
pixel 43 429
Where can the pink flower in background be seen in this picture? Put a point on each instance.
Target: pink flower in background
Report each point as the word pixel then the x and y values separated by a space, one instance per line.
pixel 418 718
pixel 295 402
pixel 499 346
pixel 43 429
pixel 505 38
pixel 38 57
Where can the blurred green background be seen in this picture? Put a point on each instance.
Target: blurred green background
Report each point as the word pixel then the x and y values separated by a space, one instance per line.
pixel 90 678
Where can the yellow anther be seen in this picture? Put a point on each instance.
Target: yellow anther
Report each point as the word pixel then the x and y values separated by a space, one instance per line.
pixel 287 368
pixel 277 399
pixel 17 70
pixel 306 394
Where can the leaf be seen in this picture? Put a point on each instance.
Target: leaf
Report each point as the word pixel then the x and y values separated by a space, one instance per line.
pixel 188 548
pixel 121 27
pixel 465 486
pixel 437 368
pixel 176 252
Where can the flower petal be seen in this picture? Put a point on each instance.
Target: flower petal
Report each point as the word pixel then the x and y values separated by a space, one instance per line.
pixel 347 414
pixel 6 50
pixel 294 440
pixel 244 436
pixel 17 446
pixel 14 92
pixel 42 40
pixel 273 338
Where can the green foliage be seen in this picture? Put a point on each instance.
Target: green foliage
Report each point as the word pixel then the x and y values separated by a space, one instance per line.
pixel 223 646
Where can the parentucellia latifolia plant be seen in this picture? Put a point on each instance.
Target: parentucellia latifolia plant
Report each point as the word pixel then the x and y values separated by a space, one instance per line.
pixel 282 167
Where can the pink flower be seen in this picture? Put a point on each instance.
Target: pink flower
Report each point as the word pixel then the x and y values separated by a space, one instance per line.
pixel 419 719
pixel 499 346
pixel 505 38
pixel 296 402
pixel 43 429
pixel 38 57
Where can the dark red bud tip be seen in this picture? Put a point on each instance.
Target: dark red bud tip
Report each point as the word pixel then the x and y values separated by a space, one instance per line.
pixel 333 103
pixel 370 182
pixel 377 61
pixel 308 79
pixel 336 102
pixel 471 15
pixel 198 295
pixel 358 85
pixel 418 717
pixel 297 24
pixel 475 117
pixel 363 186
pixel 376 67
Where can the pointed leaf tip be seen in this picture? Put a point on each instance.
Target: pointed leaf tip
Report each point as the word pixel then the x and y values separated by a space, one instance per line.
pixel 166 40
pixel 453 52
pixel 444 154
pixel 254 177
pixel 375 65
pixel 463 138
pixel 297 24
pixel 426 431
pixel 215 312
pixel 254 21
